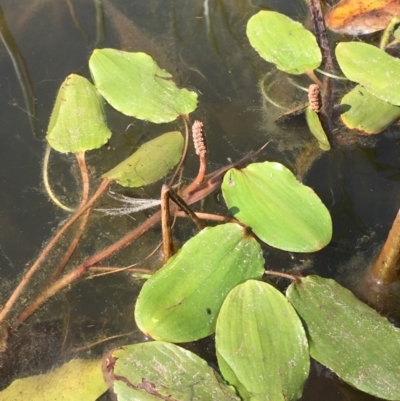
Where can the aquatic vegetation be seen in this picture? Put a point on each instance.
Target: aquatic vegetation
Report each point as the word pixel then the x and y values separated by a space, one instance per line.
pixel 217 281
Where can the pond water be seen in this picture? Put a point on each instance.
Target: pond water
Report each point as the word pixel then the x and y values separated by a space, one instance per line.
pixel 203 44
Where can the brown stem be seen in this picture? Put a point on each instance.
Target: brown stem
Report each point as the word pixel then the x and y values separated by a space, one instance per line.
pixel 105 270
pixel 386 267
pixel 202 191
pixel 327 86
pixel 85 195
pixel 83 268
pixel 33 269
pixel 208 216
pixel 91 345
pixel 80 157
pixel 71 248
pixel 314 78
pixel 168 246
pixel 284 275
pixel 185 208
pixel 320 33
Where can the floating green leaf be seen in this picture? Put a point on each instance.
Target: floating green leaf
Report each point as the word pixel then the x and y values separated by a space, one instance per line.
pixel 371 67
pixel 280 210
pixel 78 121
pixel 135 85
pixel 76 380
pixel 315 126
pixel 162 371
pixel 182 300
pixel 150 162
pixel 261 345
pixel 366 113
pixel 349 337
pixel 284 42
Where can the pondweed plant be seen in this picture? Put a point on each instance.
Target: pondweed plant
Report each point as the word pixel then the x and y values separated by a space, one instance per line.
pixel 213 284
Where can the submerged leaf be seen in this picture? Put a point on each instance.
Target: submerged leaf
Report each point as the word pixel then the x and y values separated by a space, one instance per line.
pixel 371 67
pixel 349 337
pixel 78 121
pixel 364 112
pixel 163 371
pixel 280 210
pixel 76 380
pixel 135 85
pixel 151 162
pixel 261 345
pixel 182 300
pixel 284 42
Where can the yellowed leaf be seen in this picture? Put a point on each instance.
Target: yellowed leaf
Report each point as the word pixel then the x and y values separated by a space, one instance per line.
pixel 76 380
pixel 358 17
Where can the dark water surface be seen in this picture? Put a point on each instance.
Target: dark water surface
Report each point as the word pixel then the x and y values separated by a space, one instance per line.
pixel 205 52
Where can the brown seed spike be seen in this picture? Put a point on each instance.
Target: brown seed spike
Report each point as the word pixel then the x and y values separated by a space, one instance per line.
pixel 314 98
pixel 199 138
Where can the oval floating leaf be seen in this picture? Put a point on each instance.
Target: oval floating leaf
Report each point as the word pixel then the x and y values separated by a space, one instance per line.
pixel 315 126
pixel 371 67
pixel 284 42
pixel 366 113
pixel 163 371
pixel 261 345
pixel 349 337
pixel 76 380
pixel 280 210
pixel 78 121
pixel 181 302
pixel 135 85
pixel 150 162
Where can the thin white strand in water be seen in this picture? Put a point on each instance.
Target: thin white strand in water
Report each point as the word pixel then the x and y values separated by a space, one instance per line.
pixel 132 205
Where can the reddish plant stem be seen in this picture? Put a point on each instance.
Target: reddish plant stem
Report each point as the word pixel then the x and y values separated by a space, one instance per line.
pixel 213 181
pixel 385 269
pixel 208 216
pixel 284 275
pixel 80 157
pixel 106 270
pixel 85 195
pixel 83 268
pixel 33 269
pixel 71 248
